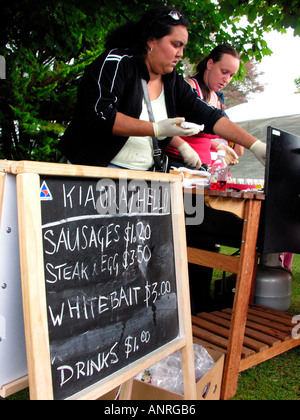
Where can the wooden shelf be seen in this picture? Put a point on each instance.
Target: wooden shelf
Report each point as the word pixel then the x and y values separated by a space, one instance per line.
pixel 268 333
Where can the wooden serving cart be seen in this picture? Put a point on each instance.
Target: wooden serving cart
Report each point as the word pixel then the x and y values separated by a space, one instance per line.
pixel 247 334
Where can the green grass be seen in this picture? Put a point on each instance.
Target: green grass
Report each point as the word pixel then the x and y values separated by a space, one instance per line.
pixel 275 379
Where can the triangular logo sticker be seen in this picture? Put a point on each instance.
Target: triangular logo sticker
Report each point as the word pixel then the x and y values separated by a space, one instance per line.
pixel 45 193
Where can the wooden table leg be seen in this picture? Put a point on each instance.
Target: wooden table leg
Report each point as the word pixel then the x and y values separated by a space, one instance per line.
pixel 242 297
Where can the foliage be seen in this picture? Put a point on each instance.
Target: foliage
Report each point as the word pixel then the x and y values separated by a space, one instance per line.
pixel 270 14
pixel 237 93
pixel 47 44
pixel 297 83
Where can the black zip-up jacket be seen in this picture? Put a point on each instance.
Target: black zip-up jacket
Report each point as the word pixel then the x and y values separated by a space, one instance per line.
pixel 111 84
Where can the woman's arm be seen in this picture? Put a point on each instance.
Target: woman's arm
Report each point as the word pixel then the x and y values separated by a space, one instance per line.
pixel 239 150
pixel 233 132
pixel 177 142
pixel 228 130
pixel 190 157
pixel 127 126
pixel 231 157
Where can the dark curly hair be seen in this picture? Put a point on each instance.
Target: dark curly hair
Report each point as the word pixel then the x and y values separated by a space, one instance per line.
pixel 156 23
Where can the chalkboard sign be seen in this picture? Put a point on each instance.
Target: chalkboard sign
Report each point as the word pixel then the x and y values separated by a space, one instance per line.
pixel 110 296
pixel 110 276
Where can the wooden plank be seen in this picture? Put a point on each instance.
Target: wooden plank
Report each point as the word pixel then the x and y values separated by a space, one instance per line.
pixel 224 332
pixel 275 326
pixel 216 339
pixel 262 328
pixel 276 322
pixel 208 345
pixel 61 169
pixel 273 317
pixel 242 297
pixel 5 165
pixel 14 387
pixel 273 311
pixel 223 314
pixel 31 257
pixel 184 314
pixel 271 332
pixel 211 259
pixel 268 354
pixel 255 195
pixel 209 326
pixel 249 332
pixel 209 337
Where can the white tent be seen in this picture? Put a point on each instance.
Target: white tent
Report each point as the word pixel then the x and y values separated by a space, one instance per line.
pixel 255 116
pixel 282 112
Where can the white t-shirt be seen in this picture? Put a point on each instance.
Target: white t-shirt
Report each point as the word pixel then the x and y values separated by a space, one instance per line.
pixel 137 153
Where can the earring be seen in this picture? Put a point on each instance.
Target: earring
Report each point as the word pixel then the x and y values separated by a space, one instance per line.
pixel 151 50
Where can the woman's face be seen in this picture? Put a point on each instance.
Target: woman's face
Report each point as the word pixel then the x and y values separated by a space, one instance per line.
pixel 164 54
pixel 218 74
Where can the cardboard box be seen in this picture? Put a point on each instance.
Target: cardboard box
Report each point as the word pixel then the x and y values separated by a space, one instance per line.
pixel 208 387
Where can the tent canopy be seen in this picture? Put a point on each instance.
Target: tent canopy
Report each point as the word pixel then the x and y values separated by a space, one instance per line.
pixel 255 116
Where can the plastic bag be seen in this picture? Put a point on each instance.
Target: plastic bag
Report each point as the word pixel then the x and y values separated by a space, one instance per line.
pixel 192 178
pixel 167 373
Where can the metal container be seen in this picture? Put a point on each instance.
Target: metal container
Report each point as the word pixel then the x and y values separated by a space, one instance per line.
pixel 273 287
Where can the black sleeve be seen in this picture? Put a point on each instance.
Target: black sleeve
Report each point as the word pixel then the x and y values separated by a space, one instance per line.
pixel 101 91
pixel 86 141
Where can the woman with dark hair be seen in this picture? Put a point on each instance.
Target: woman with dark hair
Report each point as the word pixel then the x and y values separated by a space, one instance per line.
pixel 207 82
pixel 214 72
pixel 111 124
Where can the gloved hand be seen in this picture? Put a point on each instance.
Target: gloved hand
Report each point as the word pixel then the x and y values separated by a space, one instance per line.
pixel 231 158
pixel 170 128
pixel 190 157
pixel 259 149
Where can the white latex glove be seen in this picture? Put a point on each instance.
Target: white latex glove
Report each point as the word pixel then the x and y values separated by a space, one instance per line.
pixel 190 157
pixel 231 158
pixel 259 149
pixel 170 128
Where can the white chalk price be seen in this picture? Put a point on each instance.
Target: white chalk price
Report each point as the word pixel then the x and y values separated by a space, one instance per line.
pixel 132 344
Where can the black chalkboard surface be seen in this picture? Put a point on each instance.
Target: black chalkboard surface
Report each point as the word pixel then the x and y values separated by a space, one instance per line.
pixel 109 275
pixel 104 277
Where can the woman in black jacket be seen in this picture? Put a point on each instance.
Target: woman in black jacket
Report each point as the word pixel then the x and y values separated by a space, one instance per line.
pixel 111 123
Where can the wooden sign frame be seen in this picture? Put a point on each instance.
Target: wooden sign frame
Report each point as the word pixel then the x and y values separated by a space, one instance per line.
pixel 33 284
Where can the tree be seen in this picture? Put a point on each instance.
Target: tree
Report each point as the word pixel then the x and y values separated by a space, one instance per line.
pixel 238 92
pixel 268 14
pixel 297 83
pixel 47 44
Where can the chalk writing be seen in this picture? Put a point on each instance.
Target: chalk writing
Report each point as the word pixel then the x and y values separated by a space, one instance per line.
pixel 109 275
